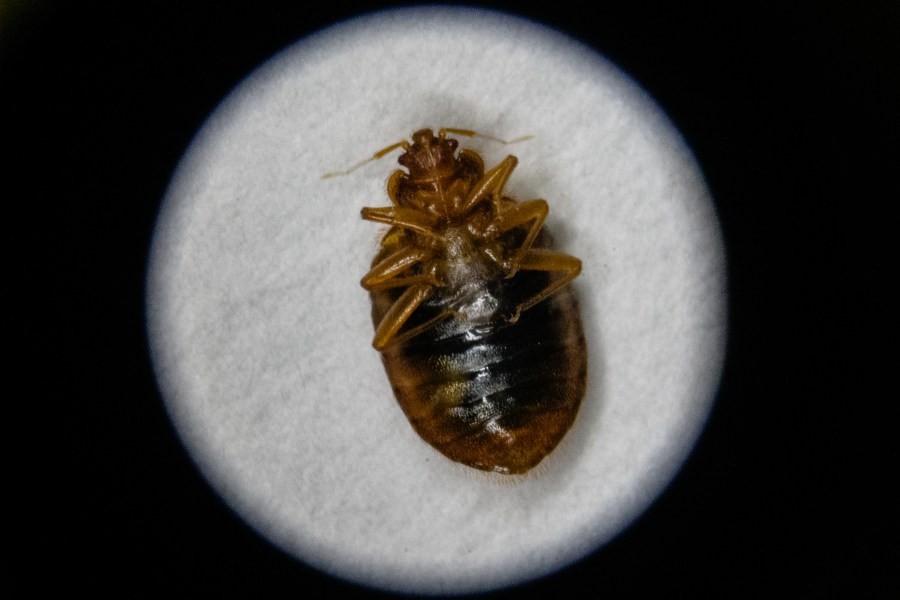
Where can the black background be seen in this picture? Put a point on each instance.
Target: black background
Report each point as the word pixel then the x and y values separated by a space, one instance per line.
pixel 791 111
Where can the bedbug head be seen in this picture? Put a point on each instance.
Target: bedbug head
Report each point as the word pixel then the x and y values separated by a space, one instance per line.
pixel 429 156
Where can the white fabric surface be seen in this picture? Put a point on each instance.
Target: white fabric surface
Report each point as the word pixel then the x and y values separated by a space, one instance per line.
pixel 261 333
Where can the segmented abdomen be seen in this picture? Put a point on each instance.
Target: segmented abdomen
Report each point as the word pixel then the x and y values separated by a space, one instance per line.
pixel 499 399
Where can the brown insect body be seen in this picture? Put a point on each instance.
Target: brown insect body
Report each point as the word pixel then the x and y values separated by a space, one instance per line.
pixel 480 340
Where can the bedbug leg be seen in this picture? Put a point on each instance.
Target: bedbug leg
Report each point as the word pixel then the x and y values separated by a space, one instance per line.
pixel 387 273
pixel 491 184
pixel 388 331
pixel 407 218
pixel 534 211
pixel 393 186
pixel 547 260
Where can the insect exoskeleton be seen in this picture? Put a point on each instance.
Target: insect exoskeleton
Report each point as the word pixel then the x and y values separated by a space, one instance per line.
pixel 479 334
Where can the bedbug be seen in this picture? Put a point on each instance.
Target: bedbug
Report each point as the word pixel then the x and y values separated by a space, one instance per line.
pixel 478 332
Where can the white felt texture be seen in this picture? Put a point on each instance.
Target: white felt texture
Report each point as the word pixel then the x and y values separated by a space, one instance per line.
pixel 261 334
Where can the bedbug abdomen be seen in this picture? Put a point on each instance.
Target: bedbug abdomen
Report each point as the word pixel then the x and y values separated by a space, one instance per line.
pixel 500 398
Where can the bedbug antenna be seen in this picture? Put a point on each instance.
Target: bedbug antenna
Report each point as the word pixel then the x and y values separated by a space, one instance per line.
pixel 442 133
pixel 401 144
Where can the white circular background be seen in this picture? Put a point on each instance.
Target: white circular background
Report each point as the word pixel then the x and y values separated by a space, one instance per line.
pixel 261 334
